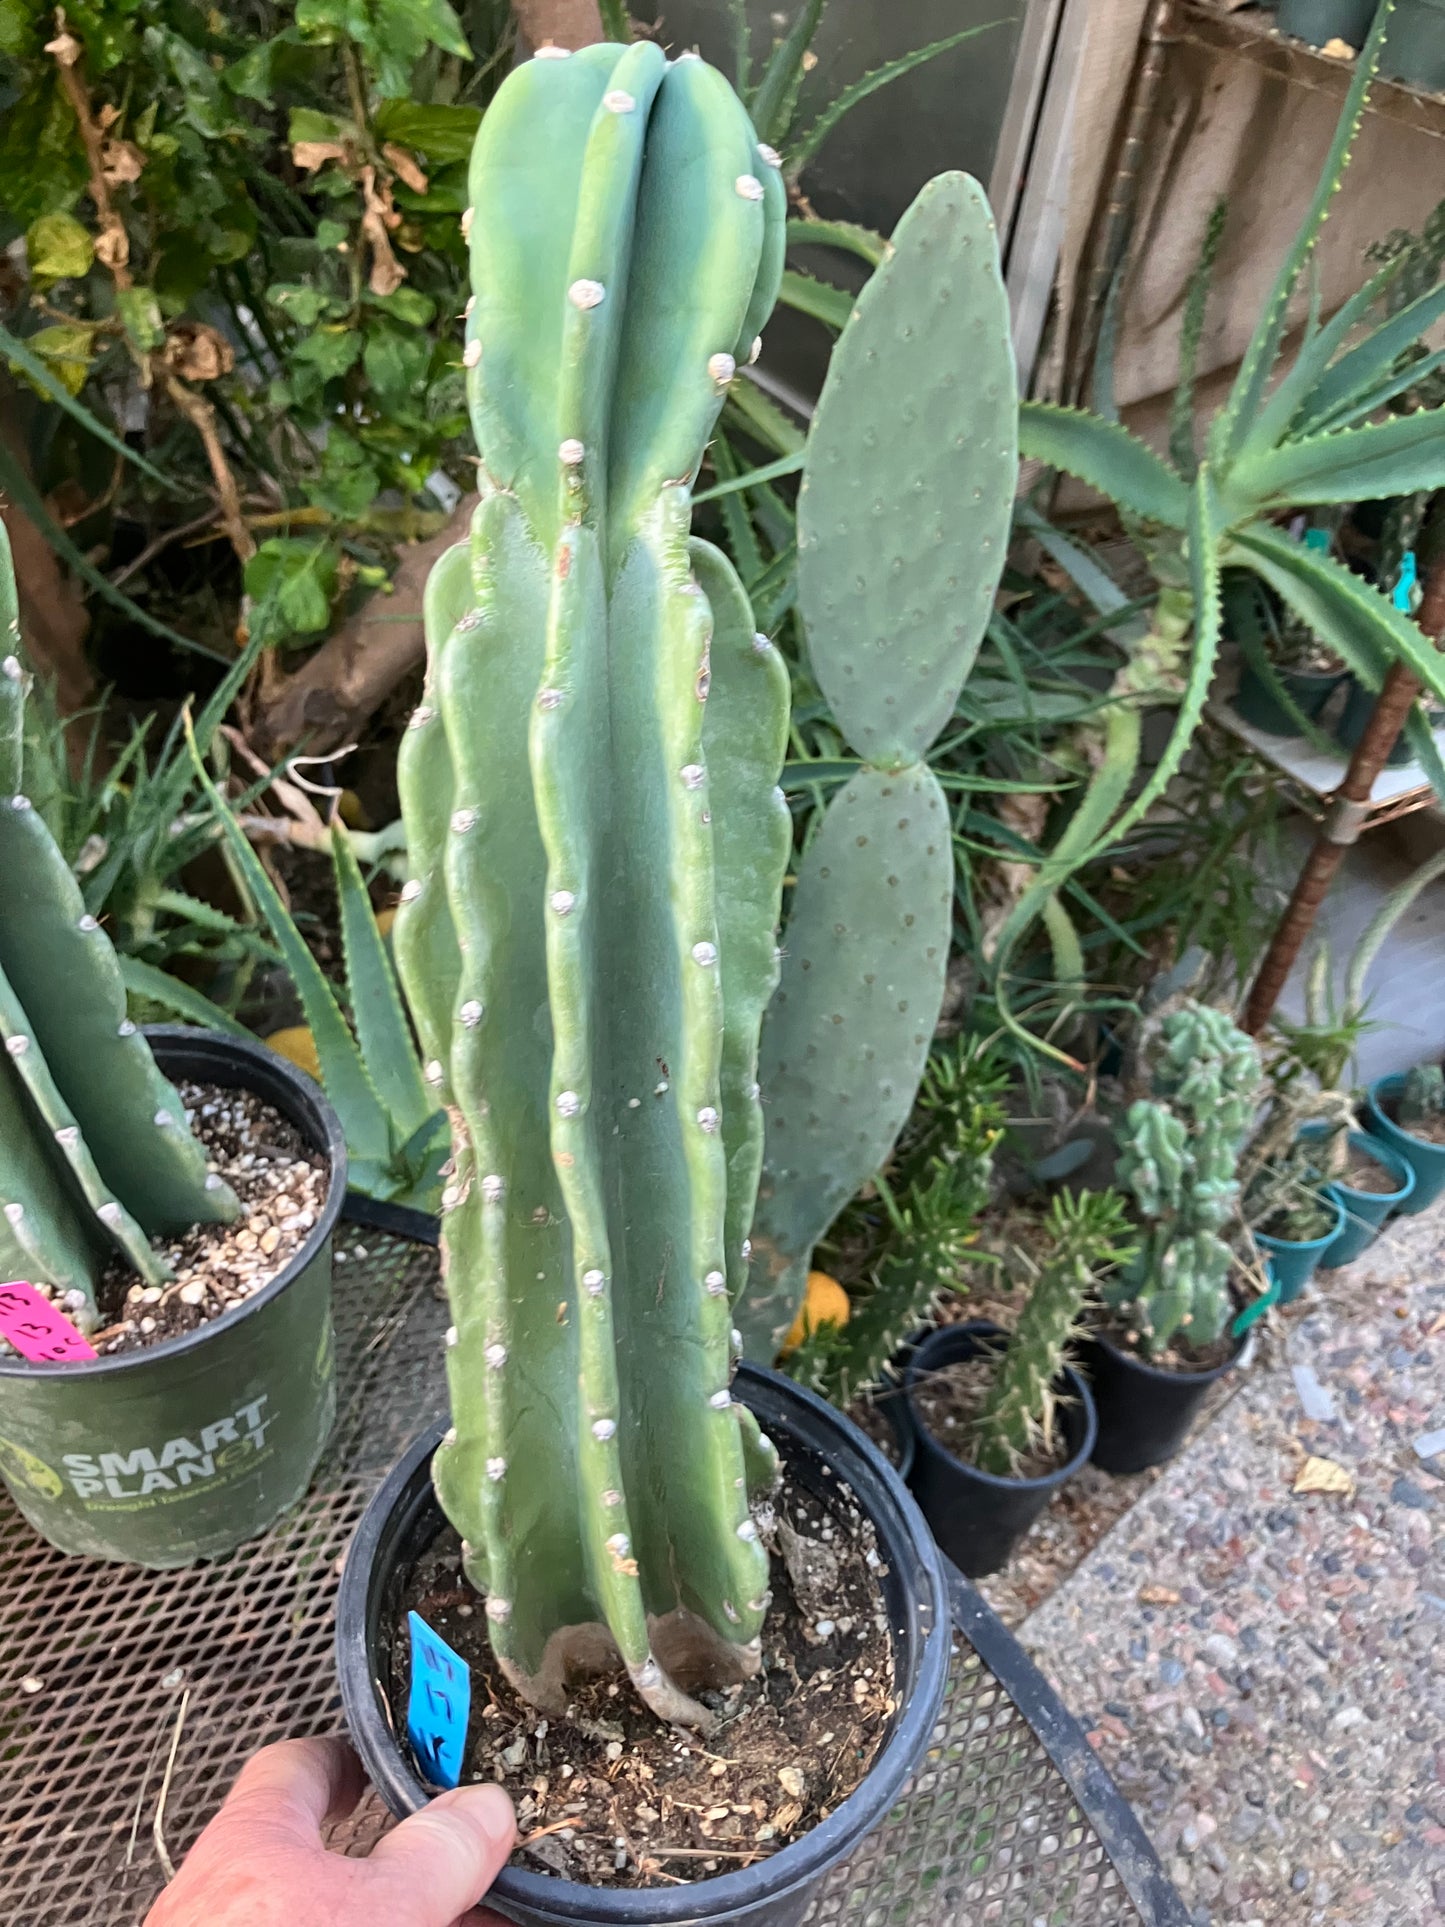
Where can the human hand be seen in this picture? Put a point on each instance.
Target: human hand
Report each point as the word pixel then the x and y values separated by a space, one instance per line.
pixel 260 1862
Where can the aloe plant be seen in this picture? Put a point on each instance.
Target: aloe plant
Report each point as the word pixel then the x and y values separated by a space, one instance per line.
pixel 394 1126
pixel 1308 439
pixel 96 1156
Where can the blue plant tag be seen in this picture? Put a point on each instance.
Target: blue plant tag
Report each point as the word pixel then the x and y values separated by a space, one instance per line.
pixel 1405 587
pixel 441 1698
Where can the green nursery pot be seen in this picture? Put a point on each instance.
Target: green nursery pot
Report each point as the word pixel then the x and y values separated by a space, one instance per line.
pixel 1425 1159
pixel 1316 21
pixel 1293 1262
pixel 1366 1211
pixel 166 1456
pixel 1414 49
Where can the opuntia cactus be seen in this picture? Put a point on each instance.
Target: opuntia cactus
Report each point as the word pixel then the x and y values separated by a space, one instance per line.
pixel 598 842
pixel 903 519
pixel 1422 1101
pixel 95 1153
pixel 1087 1231
pixel 1179 1155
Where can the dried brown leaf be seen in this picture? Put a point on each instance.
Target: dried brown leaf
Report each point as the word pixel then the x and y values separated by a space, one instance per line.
pixel 1324 1475
pixel 197 352
pixel 405 167
pixel 310 155
pixel 112 244
pixel 121 161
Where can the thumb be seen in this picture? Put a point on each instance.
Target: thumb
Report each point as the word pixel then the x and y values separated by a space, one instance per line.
pixel 441 1860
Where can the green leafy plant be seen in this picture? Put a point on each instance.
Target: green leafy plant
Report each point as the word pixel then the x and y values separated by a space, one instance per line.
pixel 240 228
pixel 1301 1139
pixel 96 1155
pixel 1087 1233
pixel 1179 1152
pixel 396 1133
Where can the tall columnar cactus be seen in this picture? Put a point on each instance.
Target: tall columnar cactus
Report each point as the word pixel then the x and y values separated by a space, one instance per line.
pixel 1179 1156
pixel 95 1153
pixel 1086 1232
pixel 588 940
pixel 903 521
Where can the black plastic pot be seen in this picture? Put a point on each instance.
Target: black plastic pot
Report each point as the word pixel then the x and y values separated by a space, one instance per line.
pixel 1309 689
pixel 403 1520
pixel 1145 1412
pixel 976 1516
pixel 181 1452
pixel 1359 707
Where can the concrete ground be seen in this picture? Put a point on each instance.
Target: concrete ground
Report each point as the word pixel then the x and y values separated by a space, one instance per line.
pixel 1261 1667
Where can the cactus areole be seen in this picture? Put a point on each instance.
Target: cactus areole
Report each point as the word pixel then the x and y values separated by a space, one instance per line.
pixel 598 844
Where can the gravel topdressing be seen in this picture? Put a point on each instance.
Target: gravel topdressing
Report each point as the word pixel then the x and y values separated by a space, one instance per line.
pixel 1262 1669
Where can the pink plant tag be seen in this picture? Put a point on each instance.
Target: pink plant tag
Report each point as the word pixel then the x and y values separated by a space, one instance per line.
pixel 37 1330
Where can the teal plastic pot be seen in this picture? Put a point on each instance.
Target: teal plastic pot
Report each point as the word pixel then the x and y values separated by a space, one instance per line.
pixel 1366 1211
pixel 1255 702
pixel 179 1453
pixel 1414 49
pixel 1316 21
pixel 1293 1263
pixel 1425 1159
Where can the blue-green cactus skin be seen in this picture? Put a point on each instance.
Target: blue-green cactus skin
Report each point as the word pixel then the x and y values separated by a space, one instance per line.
pixel 598 843
pixel 1179 1156
pixel 903 519
pixel 95 1152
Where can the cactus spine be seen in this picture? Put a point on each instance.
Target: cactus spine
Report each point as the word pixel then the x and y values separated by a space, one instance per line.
pixel 1179 1155
pixel 1086 1232
pixel 95 1153
pixel 588 940
pixel 903 520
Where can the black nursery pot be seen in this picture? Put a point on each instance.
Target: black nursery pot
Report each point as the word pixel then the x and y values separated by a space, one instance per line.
pixel 183 1451
pixel 1145 1412
pixel 402 1521
pixel 977 1517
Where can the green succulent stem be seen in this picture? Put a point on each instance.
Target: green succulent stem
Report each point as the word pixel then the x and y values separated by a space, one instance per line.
pixel 598 841
pixel 1086 1232
pixel 903 518
pixel 96 1156
pixel 1179 1155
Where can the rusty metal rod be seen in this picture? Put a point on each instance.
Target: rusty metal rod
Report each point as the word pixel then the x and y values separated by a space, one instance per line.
pixel 1342 825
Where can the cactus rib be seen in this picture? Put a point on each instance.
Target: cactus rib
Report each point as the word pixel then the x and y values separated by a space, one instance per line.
pixel 578 943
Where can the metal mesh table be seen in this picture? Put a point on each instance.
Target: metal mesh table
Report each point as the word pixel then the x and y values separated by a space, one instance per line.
pixel 106 1672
